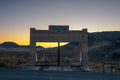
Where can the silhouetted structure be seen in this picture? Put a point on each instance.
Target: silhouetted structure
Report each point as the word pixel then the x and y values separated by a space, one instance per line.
pixel 60 33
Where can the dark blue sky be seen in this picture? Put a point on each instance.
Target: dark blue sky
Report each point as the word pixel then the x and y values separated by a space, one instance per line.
pixel 17 16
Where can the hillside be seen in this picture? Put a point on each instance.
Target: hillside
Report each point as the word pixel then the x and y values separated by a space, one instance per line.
pixel 103 46
pixel 9 44
pixel 103 36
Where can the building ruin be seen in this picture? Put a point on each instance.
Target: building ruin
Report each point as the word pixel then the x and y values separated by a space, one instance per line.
pixel 60 33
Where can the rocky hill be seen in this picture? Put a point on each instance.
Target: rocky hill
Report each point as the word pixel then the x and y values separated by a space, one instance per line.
pixel 9 44
pixel 103 46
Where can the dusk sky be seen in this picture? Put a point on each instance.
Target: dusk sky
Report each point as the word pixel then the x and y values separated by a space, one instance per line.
pixel 17 16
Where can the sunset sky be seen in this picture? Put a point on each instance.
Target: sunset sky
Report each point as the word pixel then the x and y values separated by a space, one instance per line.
pixel 17 16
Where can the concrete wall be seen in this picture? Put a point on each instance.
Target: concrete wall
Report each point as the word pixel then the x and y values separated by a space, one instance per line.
pixel 60 36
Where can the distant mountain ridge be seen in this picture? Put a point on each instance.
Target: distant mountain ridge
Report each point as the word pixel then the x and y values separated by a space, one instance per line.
pixel 9 44
pixel 103 46
pixel 14 45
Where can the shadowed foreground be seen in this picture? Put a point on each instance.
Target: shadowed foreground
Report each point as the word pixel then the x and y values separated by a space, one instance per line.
pixel 38 75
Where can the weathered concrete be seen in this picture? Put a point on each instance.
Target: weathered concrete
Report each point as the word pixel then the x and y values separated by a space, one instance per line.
pixel 60 33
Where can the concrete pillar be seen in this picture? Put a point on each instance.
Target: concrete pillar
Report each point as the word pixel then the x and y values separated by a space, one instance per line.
pixel 84 48
pixel 78 54
pixel 33 49
pixel 32 53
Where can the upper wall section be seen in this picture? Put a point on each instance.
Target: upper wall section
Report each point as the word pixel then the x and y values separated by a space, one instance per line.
pixel 57 33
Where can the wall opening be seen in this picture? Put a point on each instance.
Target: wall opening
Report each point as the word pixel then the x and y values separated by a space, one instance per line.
pixel 59 55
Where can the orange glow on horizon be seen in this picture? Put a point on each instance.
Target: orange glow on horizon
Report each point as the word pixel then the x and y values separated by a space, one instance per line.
pixel 22 36
pixel 43 44
pixel 50 44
